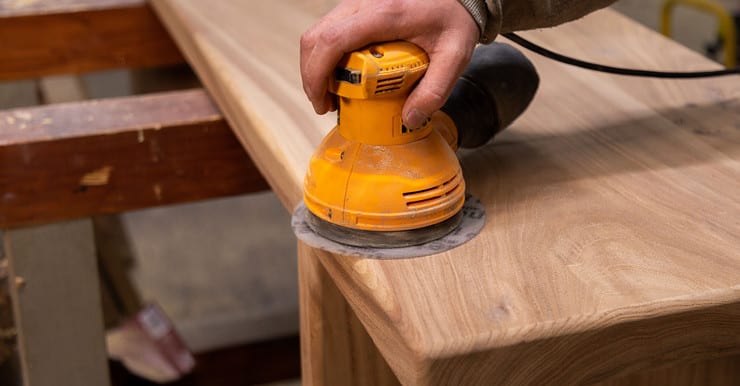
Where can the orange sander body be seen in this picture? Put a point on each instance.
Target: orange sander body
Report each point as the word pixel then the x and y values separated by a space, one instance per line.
pixel 375 182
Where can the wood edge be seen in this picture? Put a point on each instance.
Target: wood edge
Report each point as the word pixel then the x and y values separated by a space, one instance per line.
pixel 50 7
pixel 288 195
pixel 151 163
pixel 424 358
pixel 105 47
pixel 24 125
pixel 335 346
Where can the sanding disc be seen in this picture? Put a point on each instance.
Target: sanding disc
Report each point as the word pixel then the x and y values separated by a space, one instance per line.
pixel 473 219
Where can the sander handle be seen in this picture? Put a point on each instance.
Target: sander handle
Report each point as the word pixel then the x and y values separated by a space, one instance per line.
pixel 495 88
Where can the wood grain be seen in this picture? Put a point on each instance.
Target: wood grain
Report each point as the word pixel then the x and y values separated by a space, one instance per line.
pixel 613 239
pixel 718 372
pixel 53 37
pixel 80 159
pixel 335 348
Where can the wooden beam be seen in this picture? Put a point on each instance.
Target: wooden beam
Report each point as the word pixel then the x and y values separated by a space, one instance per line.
pixel 56 303
pixel 80 159
pixel 72 36
pixel 335 347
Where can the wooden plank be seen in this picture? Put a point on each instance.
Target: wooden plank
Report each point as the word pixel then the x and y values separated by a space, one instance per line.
pixel 115 259
pixel 74 160
pixel 56 303
pixel 612 244
pixel 72 36
pixel 335 348
pixel 61 89
pixel 14 8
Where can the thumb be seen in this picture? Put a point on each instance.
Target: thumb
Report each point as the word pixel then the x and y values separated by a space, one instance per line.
pixel 434 88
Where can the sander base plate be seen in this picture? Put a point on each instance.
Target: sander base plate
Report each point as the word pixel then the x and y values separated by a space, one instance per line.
pixel 437 238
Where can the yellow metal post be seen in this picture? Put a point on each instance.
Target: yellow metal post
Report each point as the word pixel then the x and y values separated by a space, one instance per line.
pixel 726 23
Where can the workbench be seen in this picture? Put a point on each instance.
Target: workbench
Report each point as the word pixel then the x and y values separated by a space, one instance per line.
pixel 610 254
pixel 62 164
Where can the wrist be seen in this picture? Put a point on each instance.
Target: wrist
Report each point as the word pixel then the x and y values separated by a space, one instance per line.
pixel 487 15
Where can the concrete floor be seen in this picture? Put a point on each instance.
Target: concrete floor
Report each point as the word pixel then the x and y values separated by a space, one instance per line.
pixel 224 270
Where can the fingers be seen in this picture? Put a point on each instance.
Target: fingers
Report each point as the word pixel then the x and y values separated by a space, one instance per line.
pixel 445 66
pixel 446 31
pixel 332 41
pixel 321 100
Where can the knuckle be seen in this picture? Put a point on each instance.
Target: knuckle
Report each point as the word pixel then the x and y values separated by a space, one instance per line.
pixel 393 11
pixel 459 51
pixel 331 37
pixel 308 38
pixel 433 96
pixel 391 8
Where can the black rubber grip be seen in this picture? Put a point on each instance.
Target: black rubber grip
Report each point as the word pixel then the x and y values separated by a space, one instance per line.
pixel 496 87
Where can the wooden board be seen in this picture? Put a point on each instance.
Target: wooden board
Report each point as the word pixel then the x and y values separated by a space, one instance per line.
pixel 613 239
pixel 56 303
pixel 335 347
pixel 42 37
pixel 85 158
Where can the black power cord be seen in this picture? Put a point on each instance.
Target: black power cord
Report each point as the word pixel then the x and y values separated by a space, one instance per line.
pixel 616 70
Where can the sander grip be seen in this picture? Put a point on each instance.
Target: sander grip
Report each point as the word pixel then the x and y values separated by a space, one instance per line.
pixel 495 88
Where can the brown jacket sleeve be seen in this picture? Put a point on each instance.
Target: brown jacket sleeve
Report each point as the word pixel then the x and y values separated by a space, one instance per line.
pixel 500 16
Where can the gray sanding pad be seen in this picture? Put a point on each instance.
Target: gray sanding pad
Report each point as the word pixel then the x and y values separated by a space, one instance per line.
pixel 474 217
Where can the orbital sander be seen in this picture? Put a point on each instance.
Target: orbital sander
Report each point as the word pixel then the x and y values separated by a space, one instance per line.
pixel 373 181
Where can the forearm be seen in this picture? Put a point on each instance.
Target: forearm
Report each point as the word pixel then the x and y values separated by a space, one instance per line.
pixel 503 16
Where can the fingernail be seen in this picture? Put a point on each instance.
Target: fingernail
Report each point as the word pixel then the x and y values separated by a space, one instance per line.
pixel 321 107
pixel 317 108
pixel 415 118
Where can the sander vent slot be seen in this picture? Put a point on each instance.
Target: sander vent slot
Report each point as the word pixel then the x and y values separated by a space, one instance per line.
pixel 389 84
pixel 431 196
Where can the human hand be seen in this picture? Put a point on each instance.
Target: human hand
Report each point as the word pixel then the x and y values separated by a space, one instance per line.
pixel 443 28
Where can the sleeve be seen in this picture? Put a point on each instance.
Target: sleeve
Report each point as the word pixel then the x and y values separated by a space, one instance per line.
pixel 500 16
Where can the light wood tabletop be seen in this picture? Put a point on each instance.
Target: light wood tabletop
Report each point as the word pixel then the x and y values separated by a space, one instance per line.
pixel 612 243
